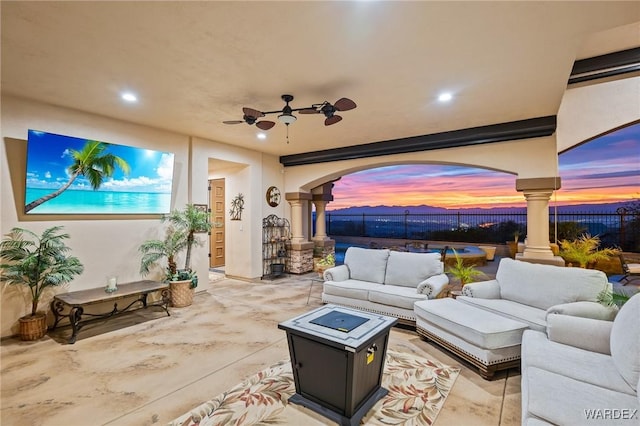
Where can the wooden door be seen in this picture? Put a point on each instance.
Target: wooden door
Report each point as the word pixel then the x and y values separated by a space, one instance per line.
pixel 216 201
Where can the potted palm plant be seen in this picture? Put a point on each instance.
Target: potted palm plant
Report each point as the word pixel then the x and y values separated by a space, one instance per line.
pixel 464 273
pixel 584 251
pixel 180 236
pixel 38 262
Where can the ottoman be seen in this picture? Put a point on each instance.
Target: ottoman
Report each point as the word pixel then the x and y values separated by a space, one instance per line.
pixel 488 341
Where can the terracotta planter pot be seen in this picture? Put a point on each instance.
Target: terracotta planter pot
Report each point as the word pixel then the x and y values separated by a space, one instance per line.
pixel 490 251
pixel 33 327
pixel 181 293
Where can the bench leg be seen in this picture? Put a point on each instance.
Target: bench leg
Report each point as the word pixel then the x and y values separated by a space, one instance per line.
pixel 166 300
pixel 75 315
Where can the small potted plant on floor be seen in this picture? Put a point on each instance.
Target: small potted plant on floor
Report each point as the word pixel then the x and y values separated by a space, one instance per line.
pixel 38 262
pixel 324 263
pixel 184 224
pixel 463 273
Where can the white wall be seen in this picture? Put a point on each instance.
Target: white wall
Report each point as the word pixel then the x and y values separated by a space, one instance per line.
pixel 252 173
pixel 594 109
pixel 108 245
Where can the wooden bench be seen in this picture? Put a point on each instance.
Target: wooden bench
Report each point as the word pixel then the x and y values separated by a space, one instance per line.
pixel 77 301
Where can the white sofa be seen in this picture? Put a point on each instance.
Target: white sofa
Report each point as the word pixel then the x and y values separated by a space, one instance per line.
pixel 583 371
pixel 384 281
pixel 485 324
pixel 528 292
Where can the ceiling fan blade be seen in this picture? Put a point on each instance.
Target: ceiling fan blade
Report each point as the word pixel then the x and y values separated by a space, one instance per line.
pixel 344 104
pixel 265 125
pixel 250 112
pixel 332 120
pixel 308 111
pixel 233 121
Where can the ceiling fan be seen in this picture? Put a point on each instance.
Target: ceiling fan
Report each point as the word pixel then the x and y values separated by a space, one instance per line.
pixel 251 116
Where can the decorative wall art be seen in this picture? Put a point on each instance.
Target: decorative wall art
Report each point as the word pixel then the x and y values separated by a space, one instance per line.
pixel 237 205
pixel 273 196
pixel 70 175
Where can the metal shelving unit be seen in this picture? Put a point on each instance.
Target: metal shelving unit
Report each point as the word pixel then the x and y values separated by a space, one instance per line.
pixel 276 235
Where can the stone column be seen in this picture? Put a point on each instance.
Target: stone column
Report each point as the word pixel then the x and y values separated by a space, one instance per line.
pixel 301 247
pixel 321 226
pixel 537 192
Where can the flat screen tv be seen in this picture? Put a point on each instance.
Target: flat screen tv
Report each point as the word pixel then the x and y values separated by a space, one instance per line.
pixel 68 175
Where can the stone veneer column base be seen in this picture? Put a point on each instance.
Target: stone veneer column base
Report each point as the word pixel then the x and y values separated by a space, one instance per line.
pixel 323 247
pixel 301 257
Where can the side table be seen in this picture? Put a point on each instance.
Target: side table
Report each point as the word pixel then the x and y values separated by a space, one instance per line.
pixel 455 293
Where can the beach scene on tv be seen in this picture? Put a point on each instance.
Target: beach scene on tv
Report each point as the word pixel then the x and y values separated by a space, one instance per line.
pixel 70 175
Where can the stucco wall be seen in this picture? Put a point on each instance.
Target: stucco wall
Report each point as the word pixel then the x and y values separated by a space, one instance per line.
pixel 590 110
pixel 108 245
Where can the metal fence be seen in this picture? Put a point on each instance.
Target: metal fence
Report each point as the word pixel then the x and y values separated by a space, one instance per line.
pixel 614 229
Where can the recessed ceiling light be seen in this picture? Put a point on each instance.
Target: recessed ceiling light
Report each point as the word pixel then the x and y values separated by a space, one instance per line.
pixel 129 97
pixel 445 97
pixel 261 136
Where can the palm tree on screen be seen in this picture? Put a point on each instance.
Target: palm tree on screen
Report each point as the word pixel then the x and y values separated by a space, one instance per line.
pixel 91 162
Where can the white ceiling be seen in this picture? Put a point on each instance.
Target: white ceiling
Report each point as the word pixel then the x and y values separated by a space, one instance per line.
pixel 196 64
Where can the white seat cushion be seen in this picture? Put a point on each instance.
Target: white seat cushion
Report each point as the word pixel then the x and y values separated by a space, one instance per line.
pixel 366 264
pixel 393 295
pixel 474 325
pixel 409 269
pixel 354 289
pixel 535 318
pixel 583 366
pixel 543 286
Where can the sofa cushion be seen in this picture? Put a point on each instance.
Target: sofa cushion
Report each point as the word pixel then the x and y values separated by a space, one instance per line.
pixel 409 269
pixel 366 264
pixel 583 366
pixel 402 297
pixel 625 341
pixel 350 288
pixel 543 286
pixel 476 326
pixel 563 400
pixel 534 318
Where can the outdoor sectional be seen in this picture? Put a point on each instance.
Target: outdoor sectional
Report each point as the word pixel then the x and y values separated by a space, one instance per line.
pixel 384 281
pixel 485 325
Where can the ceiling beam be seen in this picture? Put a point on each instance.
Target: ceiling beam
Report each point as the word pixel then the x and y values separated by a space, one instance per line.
pixel 611 64
pixel 522 129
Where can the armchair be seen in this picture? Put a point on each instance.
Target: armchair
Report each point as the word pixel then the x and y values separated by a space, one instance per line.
pixel 583 371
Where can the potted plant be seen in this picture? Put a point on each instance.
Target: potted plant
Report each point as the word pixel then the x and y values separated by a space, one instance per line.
pixel 513 245
pixel 38 262
pixel 464 273
pixel 584 252
pixel 184 224
pixel 324 263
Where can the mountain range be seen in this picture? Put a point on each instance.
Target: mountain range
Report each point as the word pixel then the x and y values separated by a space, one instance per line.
pixel 423 208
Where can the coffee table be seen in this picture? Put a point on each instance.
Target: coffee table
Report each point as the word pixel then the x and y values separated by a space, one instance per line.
pixel 337 357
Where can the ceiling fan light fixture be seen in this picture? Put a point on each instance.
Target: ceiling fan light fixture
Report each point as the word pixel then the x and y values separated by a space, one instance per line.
pixel 287 118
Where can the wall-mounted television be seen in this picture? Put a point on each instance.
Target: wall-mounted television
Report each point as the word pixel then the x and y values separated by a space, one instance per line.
pixel 69 175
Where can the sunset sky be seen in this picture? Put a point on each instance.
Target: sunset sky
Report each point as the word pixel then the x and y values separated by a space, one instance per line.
pixel 604 170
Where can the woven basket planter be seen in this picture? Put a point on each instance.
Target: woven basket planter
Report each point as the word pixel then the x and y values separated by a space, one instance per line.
pixel 33 327
pixel 181 293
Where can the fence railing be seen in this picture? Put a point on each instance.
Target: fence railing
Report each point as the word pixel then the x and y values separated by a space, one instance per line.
pixel 614 229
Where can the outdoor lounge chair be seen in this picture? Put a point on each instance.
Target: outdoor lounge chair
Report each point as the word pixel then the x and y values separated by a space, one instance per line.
pixel 629 270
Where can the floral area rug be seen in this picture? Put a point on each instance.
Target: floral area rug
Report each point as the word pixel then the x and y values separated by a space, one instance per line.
pixel 417 389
